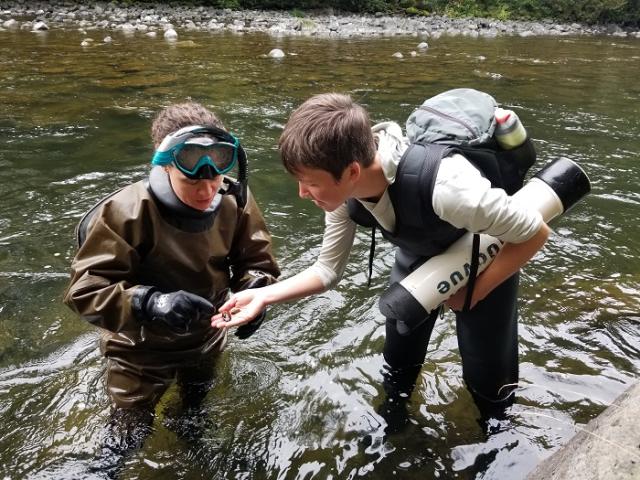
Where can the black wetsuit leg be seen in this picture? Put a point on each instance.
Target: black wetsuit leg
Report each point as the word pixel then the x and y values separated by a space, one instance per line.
pixel 487 339
pixel 406 351
pixel 488 342
pixel 404 354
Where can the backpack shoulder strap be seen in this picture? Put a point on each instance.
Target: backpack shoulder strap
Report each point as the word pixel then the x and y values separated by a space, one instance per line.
pixel 410 196
pixel 473 271
pixel 485 160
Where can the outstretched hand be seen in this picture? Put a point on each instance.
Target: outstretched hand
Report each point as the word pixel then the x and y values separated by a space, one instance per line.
pixel 241 308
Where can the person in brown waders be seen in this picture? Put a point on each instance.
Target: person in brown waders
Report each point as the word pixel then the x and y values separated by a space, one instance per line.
pixel 155 259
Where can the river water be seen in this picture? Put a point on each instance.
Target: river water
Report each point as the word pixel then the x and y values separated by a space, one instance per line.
pixel 298 399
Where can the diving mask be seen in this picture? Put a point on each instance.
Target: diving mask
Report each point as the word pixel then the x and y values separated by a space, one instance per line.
pixel 198 151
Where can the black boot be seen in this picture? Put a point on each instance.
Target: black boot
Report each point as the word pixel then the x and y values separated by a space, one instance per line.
pixel 398 383
pixel 493 412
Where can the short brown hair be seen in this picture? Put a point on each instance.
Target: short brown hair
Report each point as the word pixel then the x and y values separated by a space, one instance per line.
pixel 327 132
pixel 174 117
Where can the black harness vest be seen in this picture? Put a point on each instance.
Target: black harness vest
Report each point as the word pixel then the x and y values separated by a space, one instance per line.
pixel 418 229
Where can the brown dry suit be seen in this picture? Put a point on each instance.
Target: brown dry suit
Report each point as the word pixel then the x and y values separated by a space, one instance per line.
pixel 135 240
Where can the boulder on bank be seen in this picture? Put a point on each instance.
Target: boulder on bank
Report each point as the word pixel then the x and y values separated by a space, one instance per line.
pixel 607 449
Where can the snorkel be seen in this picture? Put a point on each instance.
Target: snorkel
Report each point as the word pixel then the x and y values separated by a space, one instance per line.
pixel 239 186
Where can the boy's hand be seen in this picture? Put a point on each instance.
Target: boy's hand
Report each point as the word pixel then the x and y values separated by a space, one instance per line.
pixel 245 331
pixel 456 301
pixel 241 308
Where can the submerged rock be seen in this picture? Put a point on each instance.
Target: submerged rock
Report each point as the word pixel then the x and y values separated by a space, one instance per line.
pixel 39 26
pixel 170 34
pixel 276 53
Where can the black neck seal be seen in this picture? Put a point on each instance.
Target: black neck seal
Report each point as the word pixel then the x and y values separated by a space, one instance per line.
pixel 175 211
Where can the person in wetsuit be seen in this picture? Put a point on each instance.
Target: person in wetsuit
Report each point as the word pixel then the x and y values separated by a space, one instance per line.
pixel 353 172
pixel 158 257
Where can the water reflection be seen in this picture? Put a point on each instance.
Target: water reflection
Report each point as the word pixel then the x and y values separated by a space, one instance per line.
pixel 300 398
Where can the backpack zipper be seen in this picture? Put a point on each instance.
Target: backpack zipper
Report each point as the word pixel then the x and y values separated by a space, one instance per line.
pixel 457 120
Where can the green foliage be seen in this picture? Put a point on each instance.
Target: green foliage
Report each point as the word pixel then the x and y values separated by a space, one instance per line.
pixel 501 13
pixel 365 6
pixel 463 8
pixel 584 11
pixel 369 6
pixel 416 11
pixel 229 4
pixel 589 11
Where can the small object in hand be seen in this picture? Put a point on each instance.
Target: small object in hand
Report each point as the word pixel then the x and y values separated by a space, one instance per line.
pixel 226 316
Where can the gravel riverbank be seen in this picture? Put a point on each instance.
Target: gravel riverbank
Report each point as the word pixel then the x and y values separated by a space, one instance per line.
pixel 170 20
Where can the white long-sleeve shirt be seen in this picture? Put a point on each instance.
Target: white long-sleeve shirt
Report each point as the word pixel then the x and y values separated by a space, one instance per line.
pixel 461 197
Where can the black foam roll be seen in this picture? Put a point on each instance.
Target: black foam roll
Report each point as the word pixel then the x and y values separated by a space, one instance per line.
pixel 398 304
pixel 567 179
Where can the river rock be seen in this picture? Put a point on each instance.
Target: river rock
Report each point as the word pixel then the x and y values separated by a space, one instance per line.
pixel 608 448
pixel 127 28
pixel 170 34
pixel 39 26
pixel 276 53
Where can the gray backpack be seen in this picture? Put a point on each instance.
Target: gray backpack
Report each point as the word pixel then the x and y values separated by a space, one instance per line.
pixel 463 118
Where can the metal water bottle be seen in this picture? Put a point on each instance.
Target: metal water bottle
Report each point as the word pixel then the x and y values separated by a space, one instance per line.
pixel 509 129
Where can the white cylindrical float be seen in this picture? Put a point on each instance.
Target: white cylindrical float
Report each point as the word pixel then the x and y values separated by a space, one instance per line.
pixel 552 191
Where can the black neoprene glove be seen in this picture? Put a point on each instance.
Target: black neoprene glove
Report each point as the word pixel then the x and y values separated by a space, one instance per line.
pixel 245 331
pixel 176 309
